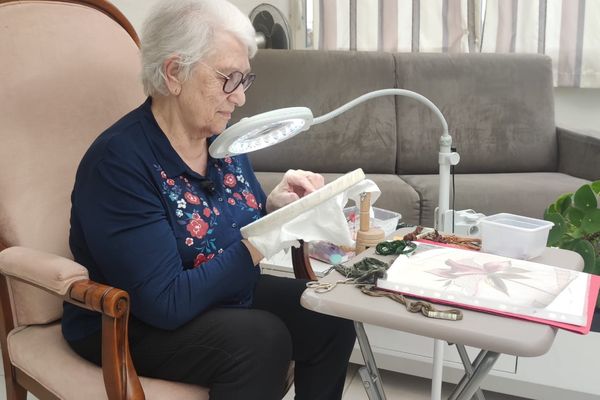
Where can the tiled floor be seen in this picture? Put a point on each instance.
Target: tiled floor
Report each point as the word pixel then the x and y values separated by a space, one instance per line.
pixel 397 386
pixel 400 386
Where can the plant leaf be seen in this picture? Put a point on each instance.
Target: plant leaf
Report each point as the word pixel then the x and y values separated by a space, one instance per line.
pixel 584 198
pixel 558 230
pixel 550 210
pixel 575 215
pixel 591 221
pixel 596 186
pixel 596 269
pixel 576 233
pixel 563 202
pixel 586 250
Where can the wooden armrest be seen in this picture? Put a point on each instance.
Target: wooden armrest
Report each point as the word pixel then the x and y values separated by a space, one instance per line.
pixel 69 280
pixel 120 378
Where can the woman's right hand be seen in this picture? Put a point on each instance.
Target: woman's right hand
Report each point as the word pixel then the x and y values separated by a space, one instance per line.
pixel 295 184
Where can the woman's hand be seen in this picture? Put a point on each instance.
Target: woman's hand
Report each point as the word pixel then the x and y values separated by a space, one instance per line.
pixel 295 184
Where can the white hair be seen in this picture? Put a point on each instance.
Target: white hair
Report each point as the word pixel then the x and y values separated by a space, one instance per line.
pixel 186 28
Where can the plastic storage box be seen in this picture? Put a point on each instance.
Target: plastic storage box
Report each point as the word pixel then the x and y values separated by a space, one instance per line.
pixel 383 219
pixel 513 235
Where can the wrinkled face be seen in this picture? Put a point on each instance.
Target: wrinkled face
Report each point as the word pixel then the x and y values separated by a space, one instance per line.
pixel 205 107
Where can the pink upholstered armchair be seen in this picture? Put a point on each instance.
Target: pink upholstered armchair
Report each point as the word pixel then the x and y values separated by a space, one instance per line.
pixel 68 70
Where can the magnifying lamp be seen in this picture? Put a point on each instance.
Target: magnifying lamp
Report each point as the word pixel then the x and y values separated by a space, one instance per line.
pixel 266 129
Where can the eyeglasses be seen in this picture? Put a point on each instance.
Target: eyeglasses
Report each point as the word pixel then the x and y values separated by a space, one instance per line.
pixel 234 79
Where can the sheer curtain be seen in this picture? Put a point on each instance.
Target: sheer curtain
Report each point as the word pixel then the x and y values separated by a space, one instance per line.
pixel 392 25
pixel 566 30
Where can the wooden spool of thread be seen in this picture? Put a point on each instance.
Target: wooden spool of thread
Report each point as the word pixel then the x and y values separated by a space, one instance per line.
pixel 367 237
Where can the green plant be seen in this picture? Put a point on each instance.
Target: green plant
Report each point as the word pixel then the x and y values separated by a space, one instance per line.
pixel 576 218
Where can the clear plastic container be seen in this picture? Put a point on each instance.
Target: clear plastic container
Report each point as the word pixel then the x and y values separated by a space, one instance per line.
pixel 513 235
pixel 383 219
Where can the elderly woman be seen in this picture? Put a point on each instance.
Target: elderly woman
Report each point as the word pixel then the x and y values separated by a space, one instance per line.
pixel 154 214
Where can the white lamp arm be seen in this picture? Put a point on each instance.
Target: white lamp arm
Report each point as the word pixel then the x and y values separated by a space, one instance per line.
pixel 446 156
pixel 275 126
pixel 385 92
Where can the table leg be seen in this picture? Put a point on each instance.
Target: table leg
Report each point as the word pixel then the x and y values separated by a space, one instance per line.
pixel 438 369
pixel 369 373
pixel 464 357
pixel 469 384
pixel 462 383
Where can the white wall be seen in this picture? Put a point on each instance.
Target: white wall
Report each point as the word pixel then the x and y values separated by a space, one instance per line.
pixel 247 5
pixel 575 108
pixel 136 10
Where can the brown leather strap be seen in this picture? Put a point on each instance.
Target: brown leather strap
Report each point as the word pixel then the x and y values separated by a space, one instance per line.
pixel 425 308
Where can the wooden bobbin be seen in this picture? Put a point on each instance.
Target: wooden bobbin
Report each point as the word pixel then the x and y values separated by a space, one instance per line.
pixel 366 237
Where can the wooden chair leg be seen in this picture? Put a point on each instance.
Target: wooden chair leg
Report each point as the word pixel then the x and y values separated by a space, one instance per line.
pixel 14 391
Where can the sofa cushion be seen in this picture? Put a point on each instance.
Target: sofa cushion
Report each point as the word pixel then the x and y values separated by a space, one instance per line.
pixel 42 353
pixel 396 195
pixel 322 81
pixel 520 193
pixel 499 109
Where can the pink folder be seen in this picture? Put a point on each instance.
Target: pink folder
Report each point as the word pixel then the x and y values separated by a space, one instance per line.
pixel 593 289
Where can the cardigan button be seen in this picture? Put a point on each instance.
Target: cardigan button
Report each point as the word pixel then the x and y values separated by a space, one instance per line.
pixel 234 225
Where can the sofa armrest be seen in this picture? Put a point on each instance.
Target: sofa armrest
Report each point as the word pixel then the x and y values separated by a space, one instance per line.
pixel 579 153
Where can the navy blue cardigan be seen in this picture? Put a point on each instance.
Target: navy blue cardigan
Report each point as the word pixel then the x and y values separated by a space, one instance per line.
pixel 142 221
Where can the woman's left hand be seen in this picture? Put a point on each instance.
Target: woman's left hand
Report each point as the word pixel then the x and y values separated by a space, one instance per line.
pixel 295 184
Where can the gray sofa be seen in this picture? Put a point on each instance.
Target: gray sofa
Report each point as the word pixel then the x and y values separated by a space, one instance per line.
pixel 499 108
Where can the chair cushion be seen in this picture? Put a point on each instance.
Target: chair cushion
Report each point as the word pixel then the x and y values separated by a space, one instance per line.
pixel 38 350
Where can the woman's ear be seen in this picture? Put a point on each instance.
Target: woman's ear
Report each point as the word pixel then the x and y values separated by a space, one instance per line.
pixel 171 71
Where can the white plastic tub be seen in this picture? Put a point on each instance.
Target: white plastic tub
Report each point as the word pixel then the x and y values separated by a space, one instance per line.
pixel 513 235
pixel 385 220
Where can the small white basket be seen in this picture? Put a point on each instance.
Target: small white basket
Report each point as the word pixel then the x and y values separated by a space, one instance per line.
pixel 385 220
pixel 513 235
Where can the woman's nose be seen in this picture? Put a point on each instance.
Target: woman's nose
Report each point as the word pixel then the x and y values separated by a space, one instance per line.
pixel 238 96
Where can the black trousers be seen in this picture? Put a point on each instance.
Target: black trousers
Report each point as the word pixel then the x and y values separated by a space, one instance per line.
pixel 245 353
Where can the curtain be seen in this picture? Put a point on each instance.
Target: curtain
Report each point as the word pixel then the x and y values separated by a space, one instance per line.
pixel 391 25
pixel 566 30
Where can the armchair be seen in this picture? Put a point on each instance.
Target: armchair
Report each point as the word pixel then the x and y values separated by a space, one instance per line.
pixel 68 69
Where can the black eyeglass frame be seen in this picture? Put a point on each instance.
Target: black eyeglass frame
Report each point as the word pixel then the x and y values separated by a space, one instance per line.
pixel 236 78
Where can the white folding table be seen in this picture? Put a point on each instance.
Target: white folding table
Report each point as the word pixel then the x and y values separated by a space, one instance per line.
pixel 492 334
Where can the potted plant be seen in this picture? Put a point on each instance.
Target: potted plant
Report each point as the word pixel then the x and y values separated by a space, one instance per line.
pixel 576 218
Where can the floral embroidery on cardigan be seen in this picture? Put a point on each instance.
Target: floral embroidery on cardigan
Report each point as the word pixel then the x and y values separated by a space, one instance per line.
pixel 194 211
